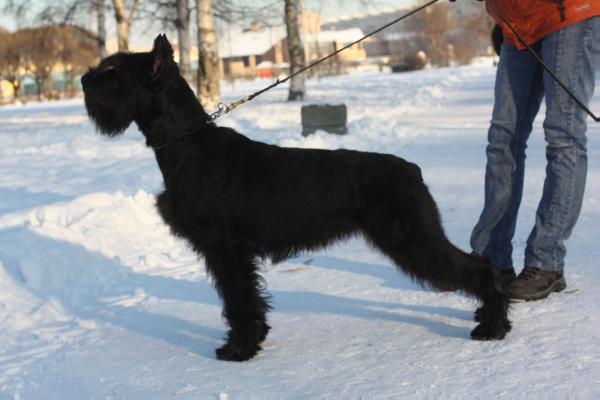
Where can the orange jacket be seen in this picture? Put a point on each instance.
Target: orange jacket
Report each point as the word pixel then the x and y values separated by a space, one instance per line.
pixel 534 19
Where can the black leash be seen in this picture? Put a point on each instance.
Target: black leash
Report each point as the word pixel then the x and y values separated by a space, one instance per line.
pixel 224 109
pixel 547 68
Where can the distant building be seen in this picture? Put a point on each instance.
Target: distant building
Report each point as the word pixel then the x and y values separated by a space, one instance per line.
pixel 6 91
pixel 320 44
pixel 468 36
pixel 382 44
pixel 250 53
pixel 262 51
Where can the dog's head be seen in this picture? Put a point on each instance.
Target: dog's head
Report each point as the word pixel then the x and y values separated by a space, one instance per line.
pixel 125 86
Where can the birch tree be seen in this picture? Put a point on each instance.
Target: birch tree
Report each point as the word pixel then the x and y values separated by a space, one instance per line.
pixel 296 48
pixel 100 8
pixel 183 34
pixel 208 60
pixel 124 19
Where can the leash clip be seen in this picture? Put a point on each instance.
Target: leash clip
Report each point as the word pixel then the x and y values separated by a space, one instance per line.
pixel 222 110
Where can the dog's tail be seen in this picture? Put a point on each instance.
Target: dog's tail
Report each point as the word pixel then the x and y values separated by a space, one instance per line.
pixel 432 260
pixel 414 238
pixel 439 264
pixel 475 274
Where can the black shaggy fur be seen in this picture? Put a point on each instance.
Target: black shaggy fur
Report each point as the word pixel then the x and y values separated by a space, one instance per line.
pixel 238 201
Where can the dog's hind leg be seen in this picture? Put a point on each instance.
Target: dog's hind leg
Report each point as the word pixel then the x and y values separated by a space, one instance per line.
pixel 482 281
pixel 414 239
pixel 244 305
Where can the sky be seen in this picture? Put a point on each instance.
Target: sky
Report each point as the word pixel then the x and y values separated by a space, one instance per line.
pixel 329 8
pixel 333 8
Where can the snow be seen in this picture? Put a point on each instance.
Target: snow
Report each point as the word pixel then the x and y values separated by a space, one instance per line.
pixel 98 300
pixel 343 36
pixel 240 43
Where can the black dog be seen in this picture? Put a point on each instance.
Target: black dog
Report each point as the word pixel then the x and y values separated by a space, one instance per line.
pixel 237 201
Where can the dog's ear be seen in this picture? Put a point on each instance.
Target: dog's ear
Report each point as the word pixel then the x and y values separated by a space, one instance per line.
pixel 162 54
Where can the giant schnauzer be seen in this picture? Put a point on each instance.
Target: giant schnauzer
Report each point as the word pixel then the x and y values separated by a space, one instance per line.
pixel 238 201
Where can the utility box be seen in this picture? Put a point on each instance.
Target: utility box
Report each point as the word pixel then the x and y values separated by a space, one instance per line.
pixel 327 117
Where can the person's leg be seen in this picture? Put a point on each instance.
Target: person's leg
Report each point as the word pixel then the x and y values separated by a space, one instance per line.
pixel 518 95
pixel 571 52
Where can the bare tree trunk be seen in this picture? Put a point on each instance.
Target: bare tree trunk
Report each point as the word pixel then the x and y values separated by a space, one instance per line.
pixel 183 32
pixel 208 59
pixel 72 89
pixel 101 16
pixel 296 48
pixel 41 83
pixel 16 85
pixel 123 22
pixel 66 77
pixel 122 29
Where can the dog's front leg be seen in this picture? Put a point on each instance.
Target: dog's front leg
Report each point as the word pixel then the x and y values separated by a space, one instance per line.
pixel 244 305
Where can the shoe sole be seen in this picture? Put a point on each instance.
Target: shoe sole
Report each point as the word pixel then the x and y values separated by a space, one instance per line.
pixel 557 286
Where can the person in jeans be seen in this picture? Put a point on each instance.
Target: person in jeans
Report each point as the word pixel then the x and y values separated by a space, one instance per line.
pixel 566 34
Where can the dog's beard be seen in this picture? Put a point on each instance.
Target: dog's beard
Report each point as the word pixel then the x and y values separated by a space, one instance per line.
pixel 109 120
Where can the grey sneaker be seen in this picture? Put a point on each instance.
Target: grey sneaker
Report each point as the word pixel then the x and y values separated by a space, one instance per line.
pixel 535 284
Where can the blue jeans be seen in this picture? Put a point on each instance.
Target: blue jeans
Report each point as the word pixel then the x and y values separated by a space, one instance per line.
pixel 521 84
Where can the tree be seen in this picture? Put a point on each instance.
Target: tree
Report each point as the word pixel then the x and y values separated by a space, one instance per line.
pixel 11 55
pixel 77 52
pixel 73 12
pixel 296 49
pixel 266 12
pixel 432 25
pixel 472 36
pixel 44 48
pixel 183 35
pixel 208 59
pixel 41 53
pixel 175 14
pixel 124 19
pixel 100 8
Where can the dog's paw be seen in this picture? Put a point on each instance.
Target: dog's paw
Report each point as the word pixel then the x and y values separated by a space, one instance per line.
pixel 242 345
pixel 238 352
pixel 491 330
pixel 483 314
pixel 263 332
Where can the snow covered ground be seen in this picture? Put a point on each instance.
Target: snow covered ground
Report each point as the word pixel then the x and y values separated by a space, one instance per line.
pixel 97 300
